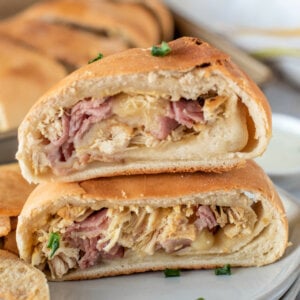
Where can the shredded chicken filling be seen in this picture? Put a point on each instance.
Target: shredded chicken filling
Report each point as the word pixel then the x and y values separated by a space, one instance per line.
pixel 88 237
pixel 100 129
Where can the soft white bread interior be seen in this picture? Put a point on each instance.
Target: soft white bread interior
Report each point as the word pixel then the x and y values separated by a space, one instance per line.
pixel 257 235
pixel 19 280
pixel 126 114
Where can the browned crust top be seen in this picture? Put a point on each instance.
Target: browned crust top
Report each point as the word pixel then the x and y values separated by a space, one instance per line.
pixel 160 186
pixel 186 54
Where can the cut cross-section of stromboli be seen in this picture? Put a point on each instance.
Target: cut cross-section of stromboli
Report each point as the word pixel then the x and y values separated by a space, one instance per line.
pixel 133 113
pixel 127 224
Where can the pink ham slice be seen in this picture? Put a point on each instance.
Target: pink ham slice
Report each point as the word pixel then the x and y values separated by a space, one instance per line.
pixel 182 112
pixel 75 124
pixel 205 218
pixel 165 126
pixel 186 112
pixel 85 235
pixel 86 113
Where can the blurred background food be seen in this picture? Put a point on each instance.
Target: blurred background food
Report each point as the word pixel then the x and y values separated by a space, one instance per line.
pixel 14 192
pixel 24 76
pixel 42 41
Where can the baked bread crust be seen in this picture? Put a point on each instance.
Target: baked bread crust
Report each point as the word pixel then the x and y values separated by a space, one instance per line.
pixel 70 46
pixel 123 19
pixel 19 280
pixel 161 190
pixel 14 190
pixel 25 75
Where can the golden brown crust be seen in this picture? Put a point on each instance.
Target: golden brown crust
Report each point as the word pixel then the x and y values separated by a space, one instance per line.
pixel 10 243
pixel 167 185
pixel 24 76
pixel 124 19
pixel 74 47
pixel 19 280
pixel 14 190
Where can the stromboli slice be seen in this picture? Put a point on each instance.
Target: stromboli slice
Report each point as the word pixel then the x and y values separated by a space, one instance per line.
pixel 133 113
pixel 122 225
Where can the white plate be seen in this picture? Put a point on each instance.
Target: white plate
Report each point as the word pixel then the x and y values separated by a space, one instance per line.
pixel 269 282
pixel 283 153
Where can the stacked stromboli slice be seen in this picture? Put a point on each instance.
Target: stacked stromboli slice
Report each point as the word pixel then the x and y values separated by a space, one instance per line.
pixel 144 164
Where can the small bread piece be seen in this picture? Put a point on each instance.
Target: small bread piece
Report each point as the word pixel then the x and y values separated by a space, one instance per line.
pixel 10 243
pixel 14 190
pixel 122 225
pixel 4 225
pixel 24 76
pixel 72 46
pixel 132 22
pixel 133 113
pixel 21 281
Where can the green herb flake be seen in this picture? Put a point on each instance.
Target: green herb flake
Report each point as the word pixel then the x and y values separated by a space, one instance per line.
pixel 161 50
pixel 53 243
pixel 171 273
pixel 100 55
pixel 201 298
pixel 226 270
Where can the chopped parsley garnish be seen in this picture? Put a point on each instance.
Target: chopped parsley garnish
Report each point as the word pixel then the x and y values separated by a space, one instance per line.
pixel 226 270
pixel 100 55
pixel 161 50
pixel 53 243
pixel 172 273
pixel 200 298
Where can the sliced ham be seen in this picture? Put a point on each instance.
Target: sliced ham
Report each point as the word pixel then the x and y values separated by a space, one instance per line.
pixel 165 126
pixel 86 113
pixel 85 235
pixel 92 226
pixel 205 218
pixel 186 112
pixel 75 124
pixel 182 112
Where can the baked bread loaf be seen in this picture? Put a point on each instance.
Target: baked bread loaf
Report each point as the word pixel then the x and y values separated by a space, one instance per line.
pixel 133 113
pixel 21 281
pixel 24 76
pixel 71 46
pixel 127 19
pixel 122 225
